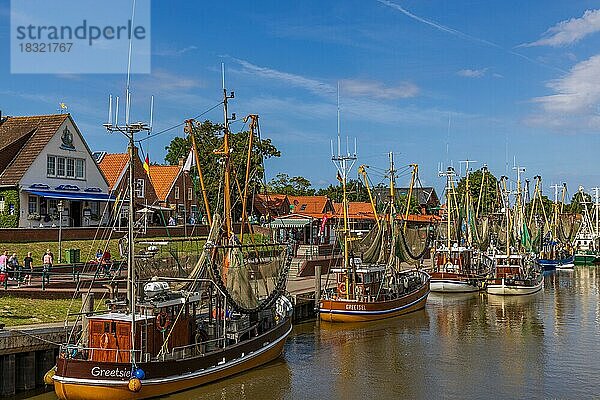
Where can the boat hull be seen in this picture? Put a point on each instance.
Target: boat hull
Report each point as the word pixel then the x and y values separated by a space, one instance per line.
pixel 341 310
pixel 549 265
pixel 505 289
pixel 585 259
pixel 442 282
pixel 78 385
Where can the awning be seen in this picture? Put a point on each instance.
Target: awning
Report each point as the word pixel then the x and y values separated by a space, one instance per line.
pixel 290 222
pixel 71 196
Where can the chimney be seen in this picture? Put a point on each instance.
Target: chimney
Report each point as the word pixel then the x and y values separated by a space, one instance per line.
pixel 181 161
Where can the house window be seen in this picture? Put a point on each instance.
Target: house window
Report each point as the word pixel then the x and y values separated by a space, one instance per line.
pixel 95 208
pixel 181 209
pixel 33 203
pixel 70 168
pixel 190 191
pixel 60 166
pixel 176 192
pixel 79 168
pixel 65 167
pixel 52 206
pixel 139 188
pixel 51 166
pixel 2 205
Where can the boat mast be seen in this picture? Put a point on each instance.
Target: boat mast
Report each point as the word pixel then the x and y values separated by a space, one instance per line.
pixel 413 177
pixel 225 152
pixel 344 163
pixel 449 174
pixel 468 199
pixel 189 129
pixel 596 209
pixel 555 210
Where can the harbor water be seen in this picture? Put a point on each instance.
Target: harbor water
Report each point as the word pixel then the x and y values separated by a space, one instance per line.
pixel 475 346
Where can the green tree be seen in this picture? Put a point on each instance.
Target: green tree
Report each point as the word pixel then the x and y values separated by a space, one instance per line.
pixel 355 191
pixel 489 193
pixel 547 205
pixel 293 186
pixel 209 138
pixel 576 206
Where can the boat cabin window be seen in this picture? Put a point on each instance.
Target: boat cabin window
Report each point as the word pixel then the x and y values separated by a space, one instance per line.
pixel 359 278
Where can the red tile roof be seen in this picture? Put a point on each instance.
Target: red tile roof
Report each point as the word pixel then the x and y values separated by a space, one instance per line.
pixel 163 177
pixel 313 206
pixel 21 141
pixel 356 210
pixel 112 166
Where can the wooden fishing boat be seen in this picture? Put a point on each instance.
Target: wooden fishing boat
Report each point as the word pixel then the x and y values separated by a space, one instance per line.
pixel 458 269
pixel 512 277
pixel 370 285
pixel 172 334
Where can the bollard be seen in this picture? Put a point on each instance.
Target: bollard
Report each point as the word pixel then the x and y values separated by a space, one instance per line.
pixel 317 286
pixel 43 280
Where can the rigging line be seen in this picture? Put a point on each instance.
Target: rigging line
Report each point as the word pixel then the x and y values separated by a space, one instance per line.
pixel 180 124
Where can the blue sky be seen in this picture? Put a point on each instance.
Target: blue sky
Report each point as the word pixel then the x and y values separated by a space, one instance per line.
pixel 432 81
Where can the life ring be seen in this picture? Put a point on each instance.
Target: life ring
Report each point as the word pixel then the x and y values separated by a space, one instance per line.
pixel 342 288
pixel 163 321
pixel 104 340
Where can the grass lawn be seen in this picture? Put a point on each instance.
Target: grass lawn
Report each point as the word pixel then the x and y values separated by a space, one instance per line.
pixel 19 311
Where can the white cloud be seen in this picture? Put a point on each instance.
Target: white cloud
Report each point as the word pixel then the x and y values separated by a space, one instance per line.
pixel 351 87
pixel 357 87
pixel 570 31
pixel 472 73
pixel 170 52
pixel 575 99
pixel 310 84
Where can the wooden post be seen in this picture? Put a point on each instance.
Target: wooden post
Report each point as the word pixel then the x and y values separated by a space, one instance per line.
pixel 317 286
pixel 87 307
pixel 7 379
pixel 25 371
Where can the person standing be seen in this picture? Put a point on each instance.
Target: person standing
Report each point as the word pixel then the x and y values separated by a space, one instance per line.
pixel 48 260
pixel 28 268
pixel 13 261
pixel 3 261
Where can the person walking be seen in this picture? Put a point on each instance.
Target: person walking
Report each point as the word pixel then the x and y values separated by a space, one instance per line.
pixel 28 268
pixel 13 261
pixel 48 260
pixel 3 262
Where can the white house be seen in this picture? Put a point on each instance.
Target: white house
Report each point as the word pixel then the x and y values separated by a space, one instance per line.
pixel 45 164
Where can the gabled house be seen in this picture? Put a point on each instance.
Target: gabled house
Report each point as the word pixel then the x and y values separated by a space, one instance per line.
pixel 115 167
pixel 47 172
pixel 175 190
pixel 268 206
pixel 313 206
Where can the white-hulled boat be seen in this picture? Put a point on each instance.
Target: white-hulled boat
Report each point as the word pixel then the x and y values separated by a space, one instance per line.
pixel 513 277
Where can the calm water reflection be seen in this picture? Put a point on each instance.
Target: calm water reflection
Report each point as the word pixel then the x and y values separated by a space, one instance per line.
pixel 460 347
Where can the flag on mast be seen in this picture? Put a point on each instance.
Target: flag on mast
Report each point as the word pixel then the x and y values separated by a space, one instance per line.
pixel 147 165
pixel 189 162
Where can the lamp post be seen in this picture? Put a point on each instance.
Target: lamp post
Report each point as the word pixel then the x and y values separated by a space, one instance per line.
pixel 60 211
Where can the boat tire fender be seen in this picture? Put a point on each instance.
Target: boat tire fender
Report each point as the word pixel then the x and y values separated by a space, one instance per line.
pixel 162 321
pixel 104 340
pixel 342 288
